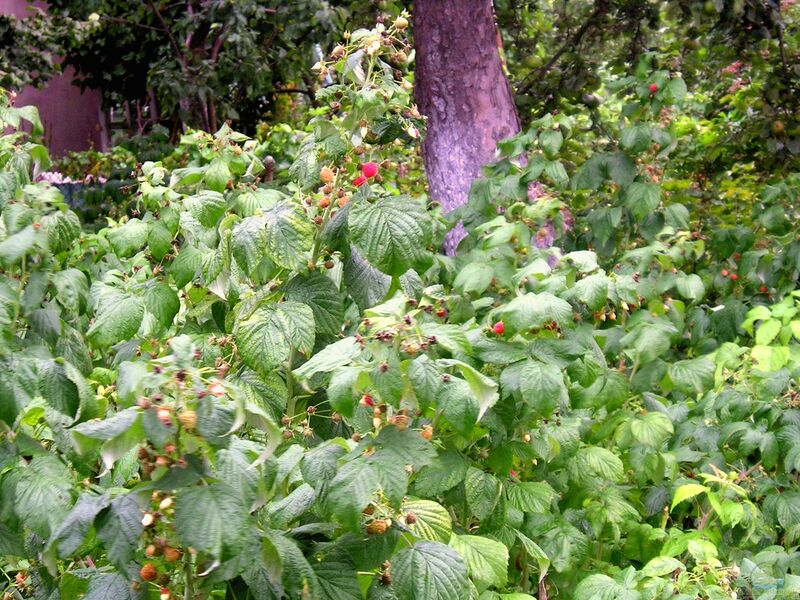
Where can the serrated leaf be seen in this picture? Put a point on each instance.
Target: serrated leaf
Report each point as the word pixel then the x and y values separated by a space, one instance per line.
pixel 687 491
pixel 482 491
pixel 129 238
pixel 542 386
pixel 392 233
pixel 320 293
pixel 62 229
pixel 431 520
pixel 43 495
pixel 288 235
pixel 266 337
pixel 119 527
pixel 71 532
pixel 531 496
pixel 532 311
pixel 486 559
pixel 351 491
pixel 118 315
pixel 693 376
pixel 429 570
pixel 212 518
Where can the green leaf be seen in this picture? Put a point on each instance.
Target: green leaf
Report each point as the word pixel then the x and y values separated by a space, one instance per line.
pixel 58 389
pixel 532 311
pixel 483 492
pixel 43 495
pixel 129 238
pixel 366 285
pixel 446 471
pixel 119 528
pixel 337 581
pixel 593 291
pixel 601 587
pixel 206 206
pixel 486 559
pixel 635 138
pixel 531 496
pixel 71 532
pixel 484 388
pixel 474 278
pixel 321 294
pixel 550 141
pixel 542 386
pixel 392 234
pixel 266 337
pixel 62 229
pixel 662 565
pixel 72 288
pixel 288 235
pixel 110 586
pixel 458 405
pixel 351 491
pixel 118 315
pixel 693 376
pixel 593 461
pixel 162 302
pixel 642 199
pixel 118 434
pixel 431 520
pixel 331 357
pixel 691 287
pixel 767 331
pixel 652 429
pixel 687 491
pixel 159 240
pixel 429 570
pixel 217 176
pixel 212 518
pixel 248 240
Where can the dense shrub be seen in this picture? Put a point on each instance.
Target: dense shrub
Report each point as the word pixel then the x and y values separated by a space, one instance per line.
pixel 266 389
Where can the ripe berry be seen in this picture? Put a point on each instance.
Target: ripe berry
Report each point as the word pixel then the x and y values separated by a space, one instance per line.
pixel 369 169
pixel 724 272
pixel 148 572
pixel 366 400
pixel 324 202
pixel 499 328
pixel 763 289
pixel 734 277
pixel 653 88
pixel 359 181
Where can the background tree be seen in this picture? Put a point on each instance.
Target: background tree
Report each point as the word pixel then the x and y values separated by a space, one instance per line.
pixel 461 88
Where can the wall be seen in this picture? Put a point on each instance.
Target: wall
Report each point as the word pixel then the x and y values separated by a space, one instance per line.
pixel 72 120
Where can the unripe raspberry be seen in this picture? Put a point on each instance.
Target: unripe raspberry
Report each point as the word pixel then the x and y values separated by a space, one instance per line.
pixel 148 572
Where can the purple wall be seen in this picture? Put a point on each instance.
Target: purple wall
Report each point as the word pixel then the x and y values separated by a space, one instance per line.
pixel 72 120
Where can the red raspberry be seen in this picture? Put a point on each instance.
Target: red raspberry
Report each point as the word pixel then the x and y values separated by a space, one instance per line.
pixel 763 289
pixel 367 400
pixel 369 169
pixel 499 328
pixel 724 272
pixel 653 88
pixel 734 277
pixel 359 181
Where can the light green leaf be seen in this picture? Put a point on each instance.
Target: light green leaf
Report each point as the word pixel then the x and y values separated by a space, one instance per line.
pixel 431 520
pixel 289 235
pixel 531 496
pixel 486 559
pixel 533 311
pixel 687 491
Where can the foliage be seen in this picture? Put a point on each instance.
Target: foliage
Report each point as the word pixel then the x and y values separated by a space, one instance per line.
pixel 274 387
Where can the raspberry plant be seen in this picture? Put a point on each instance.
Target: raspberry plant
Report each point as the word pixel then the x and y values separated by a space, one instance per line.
pixel 249 388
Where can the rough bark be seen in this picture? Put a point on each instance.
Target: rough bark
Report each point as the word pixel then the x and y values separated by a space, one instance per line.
pixel 461 88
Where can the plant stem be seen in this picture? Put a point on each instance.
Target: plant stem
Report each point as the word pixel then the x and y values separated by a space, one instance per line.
pixel 188 592
pixel 291 399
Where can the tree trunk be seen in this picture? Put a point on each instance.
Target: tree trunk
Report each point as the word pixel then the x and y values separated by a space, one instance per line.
pixel 461 88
